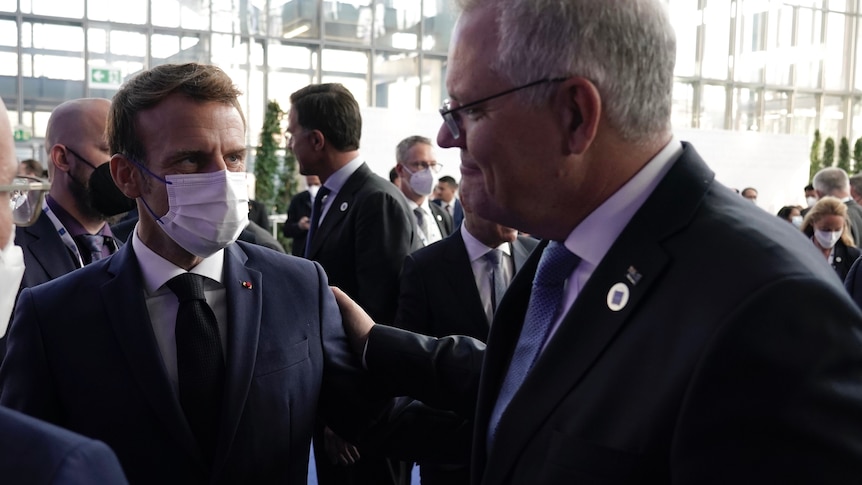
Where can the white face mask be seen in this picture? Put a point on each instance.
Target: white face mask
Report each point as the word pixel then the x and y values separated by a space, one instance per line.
pixel 312 191
pixel 206 211
pixel 796 221
pixel 421 181
pixel 11 272
pixel 827 239
pixel 811 201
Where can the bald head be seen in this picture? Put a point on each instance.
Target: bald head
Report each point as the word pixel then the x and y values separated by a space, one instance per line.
pixel 8 169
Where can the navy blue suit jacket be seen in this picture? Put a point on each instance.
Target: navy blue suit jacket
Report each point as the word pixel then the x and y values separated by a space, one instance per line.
pixel 457 211
pixel 735 359
pixel 82 354
pixel 45 255
pixel 36 452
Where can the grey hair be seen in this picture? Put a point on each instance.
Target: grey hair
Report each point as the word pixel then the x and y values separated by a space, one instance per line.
pixel 831 181
pixel 627 48
pixel 406 144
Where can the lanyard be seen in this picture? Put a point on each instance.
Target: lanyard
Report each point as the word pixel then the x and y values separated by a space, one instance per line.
pixel 64 235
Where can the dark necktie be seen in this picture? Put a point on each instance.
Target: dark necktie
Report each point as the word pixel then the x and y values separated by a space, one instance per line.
pixel 420 223
pixel 555 266
pixel 200 361
pixel 92 245
pixel 316 210
pixel 496 276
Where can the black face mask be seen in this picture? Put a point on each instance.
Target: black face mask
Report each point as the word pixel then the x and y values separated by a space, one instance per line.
pixel 105 197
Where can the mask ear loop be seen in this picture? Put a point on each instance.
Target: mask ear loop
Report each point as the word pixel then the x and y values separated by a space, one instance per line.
pixel 160 179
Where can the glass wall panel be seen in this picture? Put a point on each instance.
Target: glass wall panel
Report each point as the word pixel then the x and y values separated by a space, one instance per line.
pixel 713 106
pixel 856 118
pixel 283 84
pixel 396 80
pixel 780 50
pixel 832 118
pixel 397 24
pixel 127 11
pixel 167 49
pixel 8 6
pixel 67 8
pixel 716 28
pixel 809 52
pixel 837 61
pixel 438 19
pixel 53 37
pixel 432 91
pixel 746 109
pixel 686 20
pixel 776 117
pixel 751 42
pixel 804 116
pixel 683 105
pixel 8 64
pixel 350 21
pixel 293 19
pixel 174 13
pixel 9 34
pixel 229 51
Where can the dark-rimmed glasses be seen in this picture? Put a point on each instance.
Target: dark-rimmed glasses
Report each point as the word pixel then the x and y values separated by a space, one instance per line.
pixel 448 112
pixel 26 195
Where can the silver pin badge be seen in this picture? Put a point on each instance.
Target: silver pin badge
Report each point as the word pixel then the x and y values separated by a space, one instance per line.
pixel 633 275
pixel 618 297
pixel 343 206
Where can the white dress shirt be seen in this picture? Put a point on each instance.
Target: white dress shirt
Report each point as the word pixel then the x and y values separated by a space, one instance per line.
pixel 162 304
pixel 476 251
pixel 595 235
pixel 431 232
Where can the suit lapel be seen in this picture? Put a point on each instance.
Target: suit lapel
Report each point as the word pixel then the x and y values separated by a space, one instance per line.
pixel 465 283
pixel 48 249
pixel 245 300
pixel 339 208
pixel 124 303
pixel 633 265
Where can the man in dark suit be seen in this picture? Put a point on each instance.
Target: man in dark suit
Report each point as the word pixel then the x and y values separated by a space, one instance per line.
pixel 448 288
pixel 416 166
pixel 834 182
pixel 360 232
pixel 299 215
pixel 32 451
pixel 220 385
pixel 444 196
pixel 61 240
pixel 628 349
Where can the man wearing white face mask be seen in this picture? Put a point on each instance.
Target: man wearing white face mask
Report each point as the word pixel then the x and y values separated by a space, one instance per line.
pixel 198 359
pixel 32 451
pixel 417 168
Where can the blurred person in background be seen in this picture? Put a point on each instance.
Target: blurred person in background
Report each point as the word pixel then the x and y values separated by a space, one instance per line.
pixel 828 227
pixel 791 214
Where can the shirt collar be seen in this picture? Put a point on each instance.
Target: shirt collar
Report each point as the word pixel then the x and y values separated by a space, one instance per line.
pixel 595 235
pixel 157 270
pixel 337 180
pixel 475 248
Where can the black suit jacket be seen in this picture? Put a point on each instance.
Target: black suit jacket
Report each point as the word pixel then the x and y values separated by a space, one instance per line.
pixel 39 453
pixel 45 255
pixel 854 214
pixel 363 239
pixel 735 360
pixel 300 206
pixel 438 290
pixel 843 258
pixel 457 211
pixel 442 218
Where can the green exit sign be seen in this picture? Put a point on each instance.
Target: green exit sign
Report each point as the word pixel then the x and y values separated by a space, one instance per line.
pixel 105 77
pixel 22 133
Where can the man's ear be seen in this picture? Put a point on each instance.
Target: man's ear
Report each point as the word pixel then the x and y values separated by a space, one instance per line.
pixel 58 158
pixel 318 141
pixel 582 106
pixel 126 175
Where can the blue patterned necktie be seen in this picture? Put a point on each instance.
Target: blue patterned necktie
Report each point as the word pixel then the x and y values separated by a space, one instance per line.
pixel 555 267
pixel 93 243
pixel 316 209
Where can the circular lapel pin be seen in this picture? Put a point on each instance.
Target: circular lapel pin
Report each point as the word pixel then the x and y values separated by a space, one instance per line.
pixel 343 206
pixel 618 296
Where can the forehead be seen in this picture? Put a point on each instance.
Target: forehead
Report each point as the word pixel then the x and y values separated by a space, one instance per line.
pixel 419 152
pixel 474 43
pixel 181 122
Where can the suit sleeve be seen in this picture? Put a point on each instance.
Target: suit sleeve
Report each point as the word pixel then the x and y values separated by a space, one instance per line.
pixel 25 380
pixel 413 307
pixel 852 283
pixel 775 396
pixel 441 372
pixel 90 462
pixel 383 239
pixel 290 228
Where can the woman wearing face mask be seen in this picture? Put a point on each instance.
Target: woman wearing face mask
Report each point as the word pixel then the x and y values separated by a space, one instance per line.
pixel 826 224
pixel 791 214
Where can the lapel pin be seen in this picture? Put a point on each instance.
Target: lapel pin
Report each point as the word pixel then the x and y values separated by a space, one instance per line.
pixel 633 276
pixel 343 206
pixel 439 218
pixel 838 259
pixel 246 285
pixel 618 297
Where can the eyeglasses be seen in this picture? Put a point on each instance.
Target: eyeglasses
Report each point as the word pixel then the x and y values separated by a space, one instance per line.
pixel 448 112
pixel 435 168
pixel 26 195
